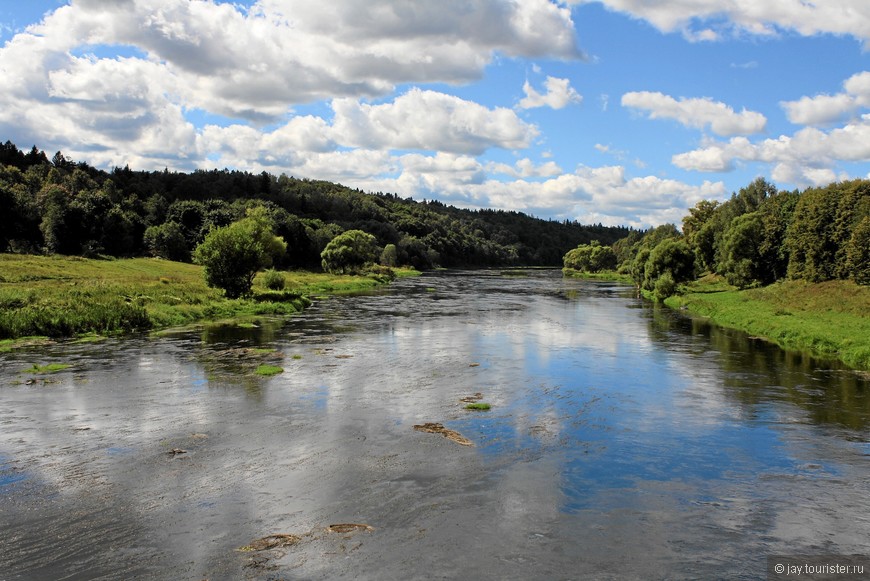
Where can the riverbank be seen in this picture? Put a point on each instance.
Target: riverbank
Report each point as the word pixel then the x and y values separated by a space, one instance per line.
pixel 63 296
pixel 829 319
pixel 607 275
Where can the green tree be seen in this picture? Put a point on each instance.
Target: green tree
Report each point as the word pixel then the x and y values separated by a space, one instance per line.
pixel 390 255
pixel 858 253
pixel 777 212
pixel 741 247
pixel 671 256
pixel 232 255
pixel 852 208
pixel 349 252
pixel 810 236
pixel 167 241
pixel 592 257
pixel 698 230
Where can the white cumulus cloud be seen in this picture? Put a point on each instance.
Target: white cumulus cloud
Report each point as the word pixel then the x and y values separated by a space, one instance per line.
pixel 697 113
pixel 711 19
pixel 827 109
pixel 429 120
pixel 254 65
pixel 559 94
pixel 809 157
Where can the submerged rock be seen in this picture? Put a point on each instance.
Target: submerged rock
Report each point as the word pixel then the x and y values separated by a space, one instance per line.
pixel 345 528
pixel 276 541
pixel 452 435
pixel 472 398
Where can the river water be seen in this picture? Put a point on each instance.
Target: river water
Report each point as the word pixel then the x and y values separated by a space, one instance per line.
pixel 624 441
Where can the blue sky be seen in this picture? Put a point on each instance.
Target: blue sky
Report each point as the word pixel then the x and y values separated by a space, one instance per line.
pixel 616 111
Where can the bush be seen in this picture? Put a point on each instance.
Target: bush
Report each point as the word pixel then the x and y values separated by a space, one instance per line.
pixel 349 252
pixel 273 280
pixel 665 286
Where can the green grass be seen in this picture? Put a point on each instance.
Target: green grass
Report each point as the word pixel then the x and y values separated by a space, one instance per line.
pixel 608 275
pixel 481 407
pixel 829 319
pixel 50 368
pixel 58 296
pixel 268 370
pixel 9 345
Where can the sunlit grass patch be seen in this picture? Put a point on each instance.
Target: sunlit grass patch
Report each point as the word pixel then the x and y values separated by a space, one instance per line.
pixel 268 370
pixel 829 319
pixel 59 296
pixel 49 368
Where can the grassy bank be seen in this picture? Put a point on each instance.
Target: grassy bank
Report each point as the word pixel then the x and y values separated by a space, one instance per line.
pixel 829 319
pixel 59 296
pixel 610 275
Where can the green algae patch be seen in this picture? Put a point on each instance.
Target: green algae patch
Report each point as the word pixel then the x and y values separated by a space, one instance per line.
pixel 50 368
pixel 478 407
pixel 268 370
pixel 89 338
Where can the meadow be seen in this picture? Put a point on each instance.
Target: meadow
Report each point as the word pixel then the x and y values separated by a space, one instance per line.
pixel 64 296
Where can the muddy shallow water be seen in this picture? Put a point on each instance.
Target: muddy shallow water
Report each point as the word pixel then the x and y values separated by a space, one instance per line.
pixel 623 442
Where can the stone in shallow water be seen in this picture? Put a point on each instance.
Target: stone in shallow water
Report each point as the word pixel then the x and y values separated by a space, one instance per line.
pixel 452 435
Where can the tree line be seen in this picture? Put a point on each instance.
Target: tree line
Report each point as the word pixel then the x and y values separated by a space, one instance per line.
pixel 757 237
pixel 61 206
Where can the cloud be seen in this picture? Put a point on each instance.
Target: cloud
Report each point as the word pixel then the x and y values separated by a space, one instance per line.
pixel 608 150
pixel 819 110
pixel 827 109
pixel 254 65
pixel 809 157
pixel 697 113
pixel 712 19
pixel 559 94
pixel 525 168
pixel 602 194
pixel 431 121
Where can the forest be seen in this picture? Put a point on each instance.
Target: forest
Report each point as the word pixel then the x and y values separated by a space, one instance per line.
pixel 60 206
pixel 759 236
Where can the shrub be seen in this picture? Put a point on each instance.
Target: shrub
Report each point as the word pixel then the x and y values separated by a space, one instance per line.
pixel 665 286
pixel 273 280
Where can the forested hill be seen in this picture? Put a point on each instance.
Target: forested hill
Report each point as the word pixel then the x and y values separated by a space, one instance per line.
pixel 60 206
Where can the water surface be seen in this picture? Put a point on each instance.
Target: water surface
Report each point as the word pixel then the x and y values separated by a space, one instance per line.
pixel 625 441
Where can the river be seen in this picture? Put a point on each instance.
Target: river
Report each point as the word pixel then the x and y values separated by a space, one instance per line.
pixel 624 441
